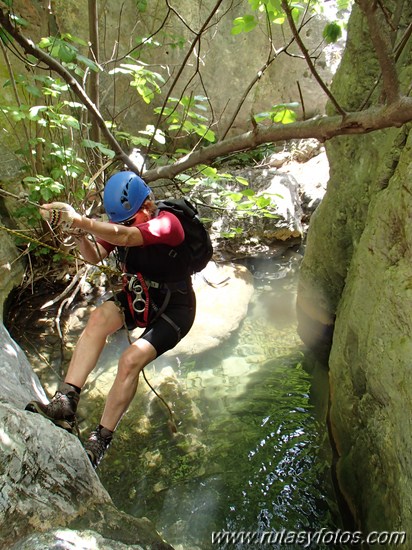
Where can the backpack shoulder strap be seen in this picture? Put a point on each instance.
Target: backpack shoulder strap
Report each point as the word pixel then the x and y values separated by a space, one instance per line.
pixel 178 206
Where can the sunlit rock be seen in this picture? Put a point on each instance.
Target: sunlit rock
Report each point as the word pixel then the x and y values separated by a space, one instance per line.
pixel 11 266
pixel 19 383
pixel 58 539
pixel 47 481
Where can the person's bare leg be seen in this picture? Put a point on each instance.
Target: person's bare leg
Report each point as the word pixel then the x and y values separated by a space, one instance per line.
pixel 61 410
pixel 132 361
pixel 103 321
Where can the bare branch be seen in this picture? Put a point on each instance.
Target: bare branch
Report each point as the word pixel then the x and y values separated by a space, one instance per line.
pixel 183 65
pixel 94 54
pixel 30 48
pixel 308 59
pixel 403 41
pixel 379 31
pixel 322 128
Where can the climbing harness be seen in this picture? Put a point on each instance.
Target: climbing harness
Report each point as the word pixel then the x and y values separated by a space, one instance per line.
pixel 137 297
pixel 141 304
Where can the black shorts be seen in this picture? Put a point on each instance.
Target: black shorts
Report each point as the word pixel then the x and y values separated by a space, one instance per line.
pixel 164 332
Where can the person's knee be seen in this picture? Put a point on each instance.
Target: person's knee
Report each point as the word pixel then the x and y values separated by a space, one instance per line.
pixel 104 320
pixel 135 358
pixel 130 363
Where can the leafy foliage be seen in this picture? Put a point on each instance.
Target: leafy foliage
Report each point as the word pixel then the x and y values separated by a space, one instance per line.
pixel 282 113
pixel 187 116
pixel 144 80
pixel 59 153
pixel 332 32
pixel 229 193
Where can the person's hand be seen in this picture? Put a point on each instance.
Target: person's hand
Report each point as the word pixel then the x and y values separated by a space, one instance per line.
pixel 59 214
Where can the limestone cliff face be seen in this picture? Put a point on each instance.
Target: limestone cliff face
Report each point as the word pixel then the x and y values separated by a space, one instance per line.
pixel 357 270
pixel 236 59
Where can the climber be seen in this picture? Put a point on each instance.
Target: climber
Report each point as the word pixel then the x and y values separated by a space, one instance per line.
pixel 157 294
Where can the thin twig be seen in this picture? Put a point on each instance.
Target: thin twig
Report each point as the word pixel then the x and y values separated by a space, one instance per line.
pixel 308 59
pixel 302 101
pixel 181 69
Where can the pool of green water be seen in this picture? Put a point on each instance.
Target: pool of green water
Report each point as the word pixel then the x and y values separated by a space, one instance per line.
pixel 251 453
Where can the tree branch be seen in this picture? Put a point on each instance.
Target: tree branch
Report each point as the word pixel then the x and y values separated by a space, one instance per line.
pixel 308 59
pixel 30 48
pixel 380 35
pixel 94 55
pixel 322 128
pixel 181 69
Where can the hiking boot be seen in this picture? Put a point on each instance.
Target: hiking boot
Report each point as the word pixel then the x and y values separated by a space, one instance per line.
pixel 62 408
pixel 97 444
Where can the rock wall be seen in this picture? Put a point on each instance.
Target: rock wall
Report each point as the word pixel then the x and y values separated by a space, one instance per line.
pixel 240 58
pixel 357 270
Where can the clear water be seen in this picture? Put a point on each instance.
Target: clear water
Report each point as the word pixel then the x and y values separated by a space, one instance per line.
pixel 251 452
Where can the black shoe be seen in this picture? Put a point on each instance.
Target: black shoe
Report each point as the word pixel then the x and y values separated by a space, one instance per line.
pixel 62 408
pixel 97 445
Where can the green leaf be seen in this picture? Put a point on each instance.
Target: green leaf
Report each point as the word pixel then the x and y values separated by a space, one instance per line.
pixel 45 42
pixel 69 37
pixel 64 52
pixel 18 20
pixel 88 62
pixel 33 90
pixel 141 5
pixel 205 133
pixel 108 152
pixel 34 111
pixel 263 202
pixel 235 197
pixel 88 143
pixel 285 116
pixel 209 171
pixel 5 37
pixel 243 24
pixel 332 32
pixel 242 181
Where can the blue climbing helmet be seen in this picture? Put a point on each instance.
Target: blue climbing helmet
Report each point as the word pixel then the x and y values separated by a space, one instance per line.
pixel 124 194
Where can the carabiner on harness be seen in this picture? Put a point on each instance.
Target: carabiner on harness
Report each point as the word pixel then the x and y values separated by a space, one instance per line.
pixel 139 302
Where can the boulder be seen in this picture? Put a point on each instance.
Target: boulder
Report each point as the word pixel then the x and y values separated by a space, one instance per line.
pixel 46 478
pixel 58 539
pixel 223 293
pixel 19 383
pixel 261 237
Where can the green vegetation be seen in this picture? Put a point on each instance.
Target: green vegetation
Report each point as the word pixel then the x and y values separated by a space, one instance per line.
pixel 57 151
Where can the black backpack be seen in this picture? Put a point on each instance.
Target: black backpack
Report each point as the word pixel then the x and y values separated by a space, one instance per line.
pixel 197 242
